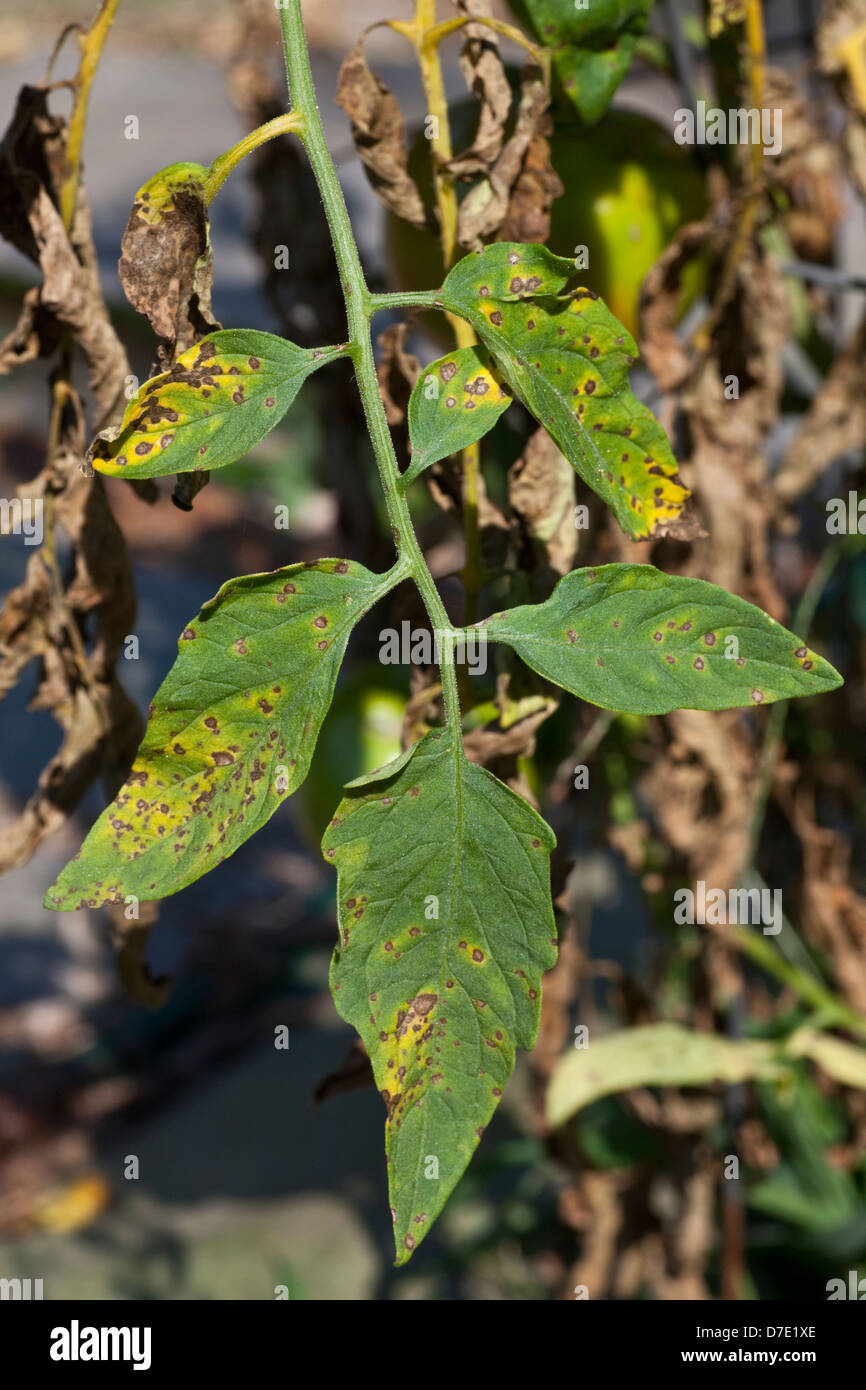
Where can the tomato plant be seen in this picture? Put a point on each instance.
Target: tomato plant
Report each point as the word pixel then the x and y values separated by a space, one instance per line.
pixel 446 923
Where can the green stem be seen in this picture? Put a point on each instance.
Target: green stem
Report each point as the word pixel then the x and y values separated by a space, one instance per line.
pixel 291 122
pixel 410 299
pixel 360 307
pixel 811 991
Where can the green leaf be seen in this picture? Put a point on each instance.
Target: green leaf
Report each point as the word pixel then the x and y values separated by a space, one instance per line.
pixel 567 358
pixel 453 404
pixel 446 927
pixel 658 1054
pixel 592 46
pixel 220 398
pixel 633 639
pixel 230 733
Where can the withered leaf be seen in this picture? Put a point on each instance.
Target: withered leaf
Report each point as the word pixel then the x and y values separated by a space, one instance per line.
pixel 397 370
pixel 380 137
pixel 166 263
pixel 486 206
pixel 43 619
pixel 486 79
pixel 541 493
pixel 535 191
pixel 32 155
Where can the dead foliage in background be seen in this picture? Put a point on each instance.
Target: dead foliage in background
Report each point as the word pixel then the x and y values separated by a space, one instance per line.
pixel 703 787
pixel 76 604
pixel 686 797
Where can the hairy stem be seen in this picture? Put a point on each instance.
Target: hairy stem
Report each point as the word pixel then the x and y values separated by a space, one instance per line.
pixel 360 307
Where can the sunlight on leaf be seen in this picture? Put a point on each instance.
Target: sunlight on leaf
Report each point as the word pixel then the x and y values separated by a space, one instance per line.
pixel 220 399
pixel 231 732
pixel 568 359
pixel 446 927
pixel 634 639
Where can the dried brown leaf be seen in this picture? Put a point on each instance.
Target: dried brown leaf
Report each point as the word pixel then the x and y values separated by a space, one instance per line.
pixel 485 76
pixel 541 491
pixel 166 262
pixel 485 208
pixel 397 371
pixel 535 191
pixel 380 137
pixel 834 424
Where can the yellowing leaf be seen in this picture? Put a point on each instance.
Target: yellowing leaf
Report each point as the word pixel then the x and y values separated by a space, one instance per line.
pixel 446 926
pixel 220 398
pixel 230 733
pixel 453 404
pixel 568 358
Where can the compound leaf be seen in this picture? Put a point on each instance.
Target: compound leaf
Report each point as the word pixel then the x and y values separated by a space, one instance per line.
pixel 658 1054
pixel 568 358
pixel 631 638
pixel 230 733
pixel 453 404
pixel 593 45
pixel 446 927
pixel 220 398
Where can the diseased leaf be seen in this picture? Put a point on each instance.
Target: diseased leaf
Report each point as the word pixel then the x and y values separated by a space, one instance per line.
pixel 446 927
pixel 631 638
pixel 658 1054
pixel 593 45
pixel 567 358
pixel 380 137
pixel 453 404
pixel 231 731
pixel 220 398
pixel 166 262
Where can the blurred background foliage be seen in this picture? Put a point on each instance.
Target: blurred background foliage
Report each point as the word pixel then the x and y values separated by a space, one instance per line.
pixel 258 1167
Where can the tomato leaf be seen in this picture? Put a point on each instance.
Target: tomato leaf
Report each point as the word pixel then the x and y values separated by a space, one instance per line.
pixel 658 1054
pixel 453 404
pixel 567 358
pixel 592 45
pixel 231 732
pixel 631 638
pixel 220 398
pixel 446 927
